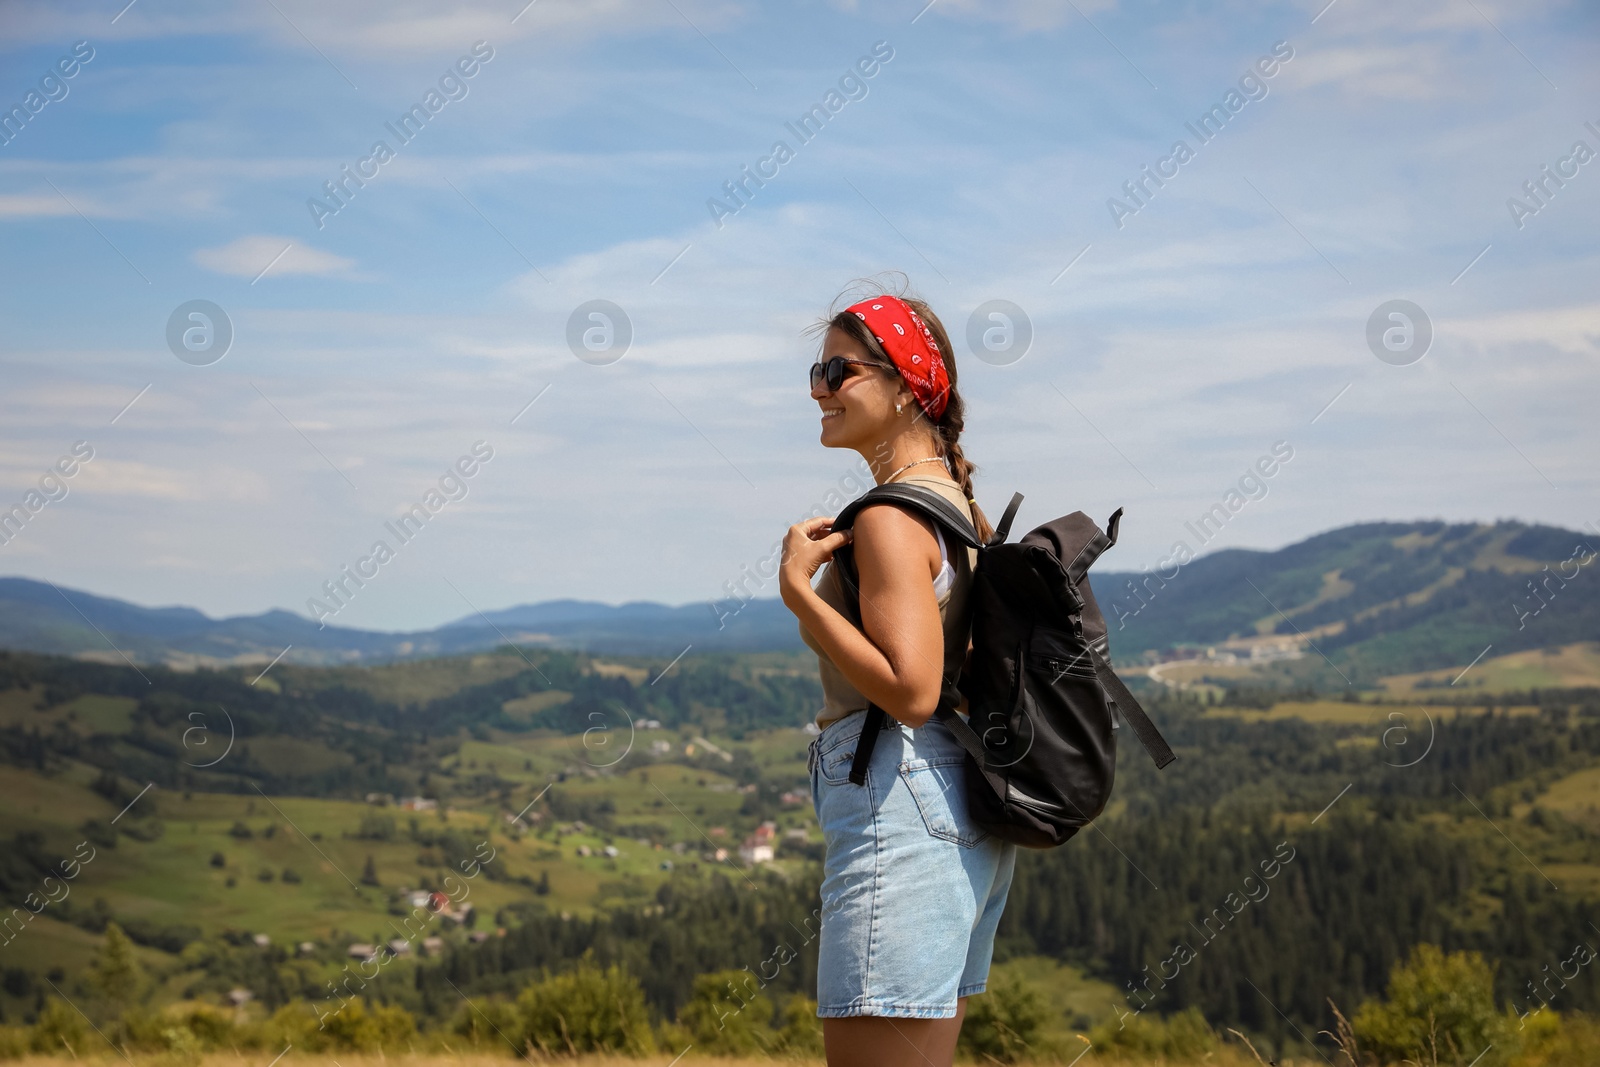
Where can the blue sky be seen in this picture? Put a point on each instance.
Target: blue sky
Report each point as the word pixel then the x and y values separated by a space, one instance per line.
pixel 1226 313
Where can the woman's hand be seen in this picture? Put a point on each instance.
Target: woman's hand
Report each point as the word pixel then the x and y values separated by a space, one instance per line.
pixel 806 547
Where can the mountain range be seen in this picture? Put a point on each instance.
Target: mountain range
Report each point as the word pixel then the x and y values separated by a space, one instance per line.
pixel 1373 598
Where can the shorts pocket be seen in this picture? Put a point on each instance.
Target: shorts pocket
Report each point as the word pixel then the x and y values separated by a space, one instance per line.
pixel 833 766
pixel 938 786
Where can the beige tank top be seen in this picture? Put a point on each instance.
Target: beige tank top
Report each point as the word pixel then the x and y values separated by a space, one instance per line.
pixel 839 696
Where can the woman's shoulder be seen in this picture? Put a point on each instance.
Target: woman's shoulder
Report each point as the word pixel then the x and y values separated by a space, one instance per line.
pixel 946 488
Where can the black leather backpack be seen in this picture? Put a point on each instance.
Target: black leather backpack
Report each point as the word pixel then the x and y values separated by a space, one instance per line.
pixel 1042 697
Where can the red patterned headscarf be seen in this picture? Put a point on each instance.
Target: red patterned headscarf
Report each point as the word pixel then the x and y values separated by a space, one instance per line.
pixel 910 345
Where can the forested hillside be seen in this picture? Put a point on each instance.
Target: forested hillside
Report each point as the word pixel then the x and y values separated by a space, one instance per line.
pixel 1377 598
pixel 1293 854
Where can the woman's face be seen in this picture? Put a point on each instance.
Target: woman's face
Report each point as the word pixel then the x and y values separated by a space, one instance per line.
pixel 861 413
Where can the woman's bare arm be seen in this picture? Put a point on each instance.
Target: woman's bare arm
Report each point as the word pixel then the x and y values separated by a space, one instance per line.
pixel 897 663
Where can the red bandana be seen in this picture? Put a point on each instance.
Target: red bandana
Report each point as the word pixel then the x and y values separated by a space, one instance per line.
pixel 911 347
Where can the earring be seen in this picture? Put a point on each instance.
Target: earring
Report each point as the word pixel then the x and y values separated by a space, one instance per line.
pixel 898 407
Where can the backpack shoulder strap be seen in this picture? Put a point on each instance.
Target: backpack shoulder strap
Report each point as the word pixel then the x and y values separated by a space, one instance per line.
pixel 1128 705
pixel 918 499
pixel 941 511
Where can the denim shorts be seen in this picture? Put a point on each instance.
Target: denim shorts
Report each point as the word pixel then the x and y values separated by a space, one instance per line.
pixel 911 891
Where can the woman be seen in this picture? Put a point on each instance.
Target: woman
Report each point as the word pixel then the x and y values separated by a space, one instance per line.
pixel 912 890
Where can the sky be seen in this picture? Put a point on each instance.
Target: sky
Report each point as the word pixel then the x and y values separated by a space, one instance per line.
pixel 361 347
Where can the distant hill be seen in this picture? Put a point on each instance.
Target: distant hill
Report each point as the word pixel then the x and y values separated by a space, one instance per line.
pixel 37 617
pixel 1375 598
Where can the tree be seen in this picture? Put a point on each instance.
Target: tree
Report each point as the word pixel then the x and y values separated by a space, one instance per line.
pixel 369 873
pixel 117 974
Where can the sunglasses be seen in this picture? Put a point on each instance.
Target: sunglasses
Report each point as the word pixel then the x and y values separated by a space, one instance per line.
pixel 833 371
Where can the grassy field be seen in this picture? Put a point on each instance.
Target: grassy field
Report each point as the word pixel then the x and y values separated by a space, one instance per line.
pixel 412 681
pixel 173 879
pixel 1569 665
pixel 1346 713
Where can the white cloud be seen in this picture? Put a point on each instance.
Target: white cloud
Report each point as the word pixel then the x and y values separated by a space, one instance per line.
pixel 1025 15
pixel 1416 71
pixel 267 255
pixel 377 28
pixel 25 206
pixel 150 481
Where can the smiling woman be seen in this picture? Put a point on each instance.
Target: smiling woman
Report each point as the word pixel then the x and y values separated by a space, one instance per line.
pixel 912 888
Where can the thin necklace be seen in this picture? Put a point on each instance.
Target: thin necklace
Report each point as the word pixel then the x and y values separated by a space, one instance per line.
pixel 913 463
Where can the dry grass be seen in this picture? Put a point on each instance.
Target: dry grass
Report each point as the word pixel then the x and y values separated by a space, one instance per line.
pixel 251 1058
pixel 1231 1055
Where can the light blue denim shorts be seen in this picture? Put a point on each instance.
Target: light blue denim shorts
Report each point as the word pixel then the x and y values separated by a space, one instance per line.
pixel 911 891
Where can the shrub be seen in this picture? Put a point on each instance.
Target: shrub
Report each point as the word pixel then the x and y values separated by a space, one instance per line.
pixel 486 1024
pixel 211 1027
pixel 352 1027
pixel 375 827
pixel 15 1042
pixel 727 1016
pixel 586 1010
pixel 1437 1008
pixel 362 1030
pixel 58 1027
pixel 1551 1040
pixel 801 1033
pixel 1003 1024
pixel 1183 1036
